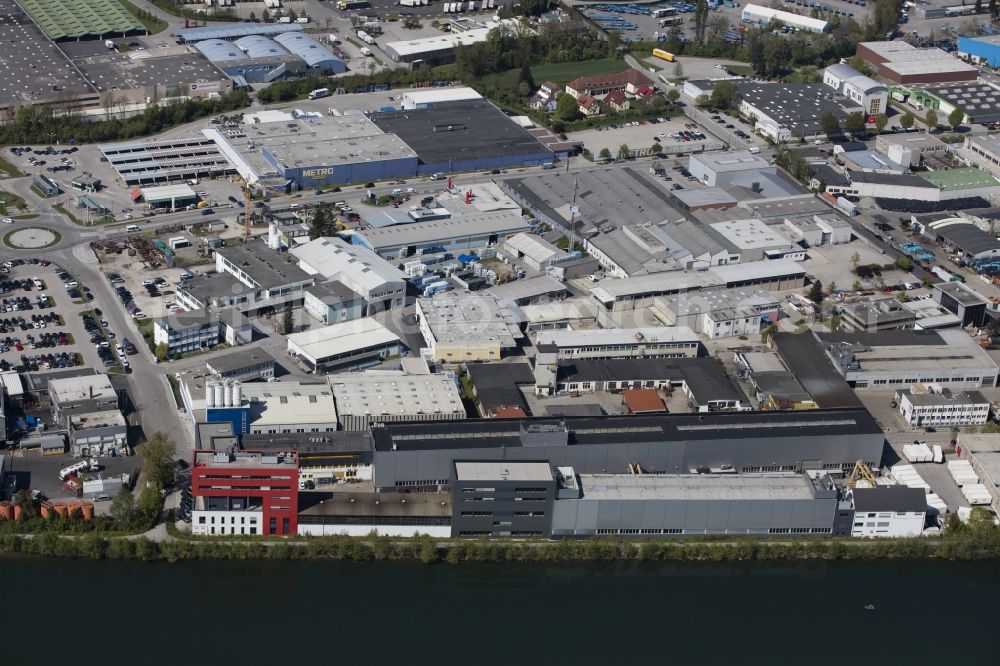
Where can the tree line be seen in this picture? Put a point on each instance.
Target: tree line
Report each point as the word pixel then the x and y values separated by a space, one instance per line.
pixel 43 125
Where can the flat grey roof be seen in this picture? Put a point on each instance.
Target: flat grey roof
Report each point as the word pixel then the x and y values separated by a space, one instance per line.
pixel 265 266
pixel 32 68
pixel 961 293
pixel 796 106
pixel 317 142
pixel 805 360
pixel 890 498
pixel 463 130
pixel 503 471
pixel 333 292
pixel 230 31
pixel 239 360
pixel 203 287
pixel 968 238
pixel 535 287
pixel 110 70
pixel 607 197
pixel 687 487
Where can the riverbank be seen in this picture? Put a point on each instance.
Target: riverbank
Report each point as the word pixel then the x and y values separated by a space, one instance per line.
pixel 961 545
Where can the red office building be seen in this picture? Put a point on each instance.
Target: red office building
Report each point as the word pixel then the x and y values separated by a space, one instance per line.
pixel 244 493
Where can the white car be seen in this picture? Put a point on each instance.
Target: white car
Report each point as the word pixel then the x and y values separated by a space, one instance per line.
pixel 8 220
pixel 127 216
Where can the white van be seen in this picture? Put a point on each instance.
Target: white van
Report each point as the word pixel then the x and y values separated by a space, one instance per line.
pixel 754 150
pixel 132 228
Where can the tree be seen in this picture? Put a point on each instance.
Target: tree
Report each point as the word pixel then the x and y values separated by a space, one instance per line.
pixel 162 352
pixel 832 287
pixel 907 120
pixel 605 154
pixel 149 505
pixel 265 16
pixel 855 123
pixel 566 108
pixel 956 117
pixel 855 260
pixel 931 119
pixel 158 460
pixel 725 96
pixel 123 508
pixel 526 77
pixel 624 152
pixel 830 124
pixel 767 333
pixel 904 263
pixel 656 149
pixel 702 101
pixel 678 71
pixel 700 21
pixel 673 95
pixel 816 292
pixel 253 17
pixel 881 120
pixel 287 324
pixel 856 285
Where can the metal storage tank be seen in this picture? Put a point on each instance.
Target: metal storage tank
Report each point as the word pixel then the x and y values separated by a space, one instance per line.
pixel 88 510
pixel 237 394
pixel 17 512
pixel 61 509
pixel 46 511
pixel 209 395
pixel 220 395
pixel 6 511
pixel 228 394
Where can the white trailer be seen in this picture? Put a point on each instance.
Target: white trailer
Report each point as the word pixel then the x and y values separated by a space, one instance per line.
pixel 85 465
pixel 272 4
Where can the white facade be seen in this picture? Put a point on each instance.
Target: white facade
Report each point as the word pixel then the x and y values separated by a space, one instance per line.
pixel 382 285
pixel 729 323
pixel 888 524
pixel 922 410
pixel 226 523
pixel 403 531
pixel 764 15
pixel 860 89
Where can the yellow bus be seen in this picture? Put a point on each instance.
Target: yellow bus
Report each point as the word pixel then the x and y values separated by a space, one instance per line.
pixel 660 53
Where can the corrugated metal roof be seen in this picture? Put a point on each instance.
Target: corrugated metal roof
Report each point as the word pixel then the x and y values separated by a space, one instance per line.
pixel 234 31
pixel 12 383
pixel 307 48
pixel 257 46
pixel 217 50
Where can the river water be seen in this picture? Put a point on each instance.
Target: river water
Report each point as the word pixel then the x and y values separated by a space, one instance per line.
pixel 384 613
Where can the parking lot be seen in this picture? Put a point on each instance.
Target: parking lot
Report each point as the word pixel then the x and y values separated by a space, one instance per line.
pixel 130 274
pixel 832 263
pixel 37 472
pixel 38 338
pixel 641 134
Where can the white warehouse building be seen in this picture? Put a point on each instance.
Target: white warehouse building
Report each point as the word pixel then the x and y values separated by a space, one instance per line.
pixel 860 89
pixel 764 15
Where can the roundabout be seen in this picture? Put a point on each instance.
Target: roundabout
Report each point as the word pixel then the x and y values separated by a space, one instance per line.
pixel 32 238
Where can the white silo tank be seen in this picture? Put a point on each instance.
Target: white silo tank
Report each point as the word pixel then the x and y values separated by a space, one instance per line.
pixel 220 396
pixel 228 394
pixel 209 394
pixel 237 394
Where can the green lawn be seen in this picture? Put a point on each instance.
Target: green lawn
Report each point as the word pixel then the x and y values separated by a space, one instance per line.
pixel 9 168
pixel 564 72
pixel 10 201
pixel 740 70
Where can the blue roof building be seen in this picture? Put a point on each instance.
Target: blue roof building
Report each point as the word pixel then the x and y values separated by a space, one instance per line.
pixel 315 54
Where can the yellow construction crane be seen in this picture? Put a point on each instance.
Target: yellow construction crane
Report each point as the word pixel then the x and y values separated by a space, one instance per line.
pixel 860 470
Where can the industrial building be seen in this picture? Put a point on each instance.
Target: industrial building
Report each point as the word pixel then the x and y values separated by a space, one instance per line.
pixel 82 393
pixel 244 493
pixel 910 149
pixel 271 277
pixel 900 359
pixel 766 15
pixel 421 455
pixel 318 58
pixel 90 19
pixel 437 50
pixel 555 345
pixel 931 186
pixel 253 59
pixel 469 327
pixel 772 383
pixel 148 162
pixel 332 303
pixel 983 453
pixel 233 31
pixel 884 314
pixel 420 99
pixel 702 380
pixel 900 62
pixel 242 366
pixel 97 433
pixel 640 291
pixel 860 89
pixel 312 152
pixel 519 494
pixel 888 511
pixel 923 406
pixel 497 387
pixel 197 330
pixel 534 251
pixel 979 100
pixel 470 135
pixel 531 291
pixel 719 313
pixel 982 151
pixel 981 48
pixel 961 235
pixel 362 514
pixel 685 504
pixel 965 303
pixel 786 111
pixel 350 344
pixel 387 396
pixel 380 284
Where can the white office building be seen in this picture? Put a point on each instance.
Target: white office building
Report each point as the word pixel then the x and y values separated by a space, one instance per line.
pixel 934 406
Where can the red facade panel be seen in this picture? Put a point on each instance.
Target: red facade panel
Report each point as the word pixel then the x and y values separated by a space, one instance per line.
pixel 277 488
